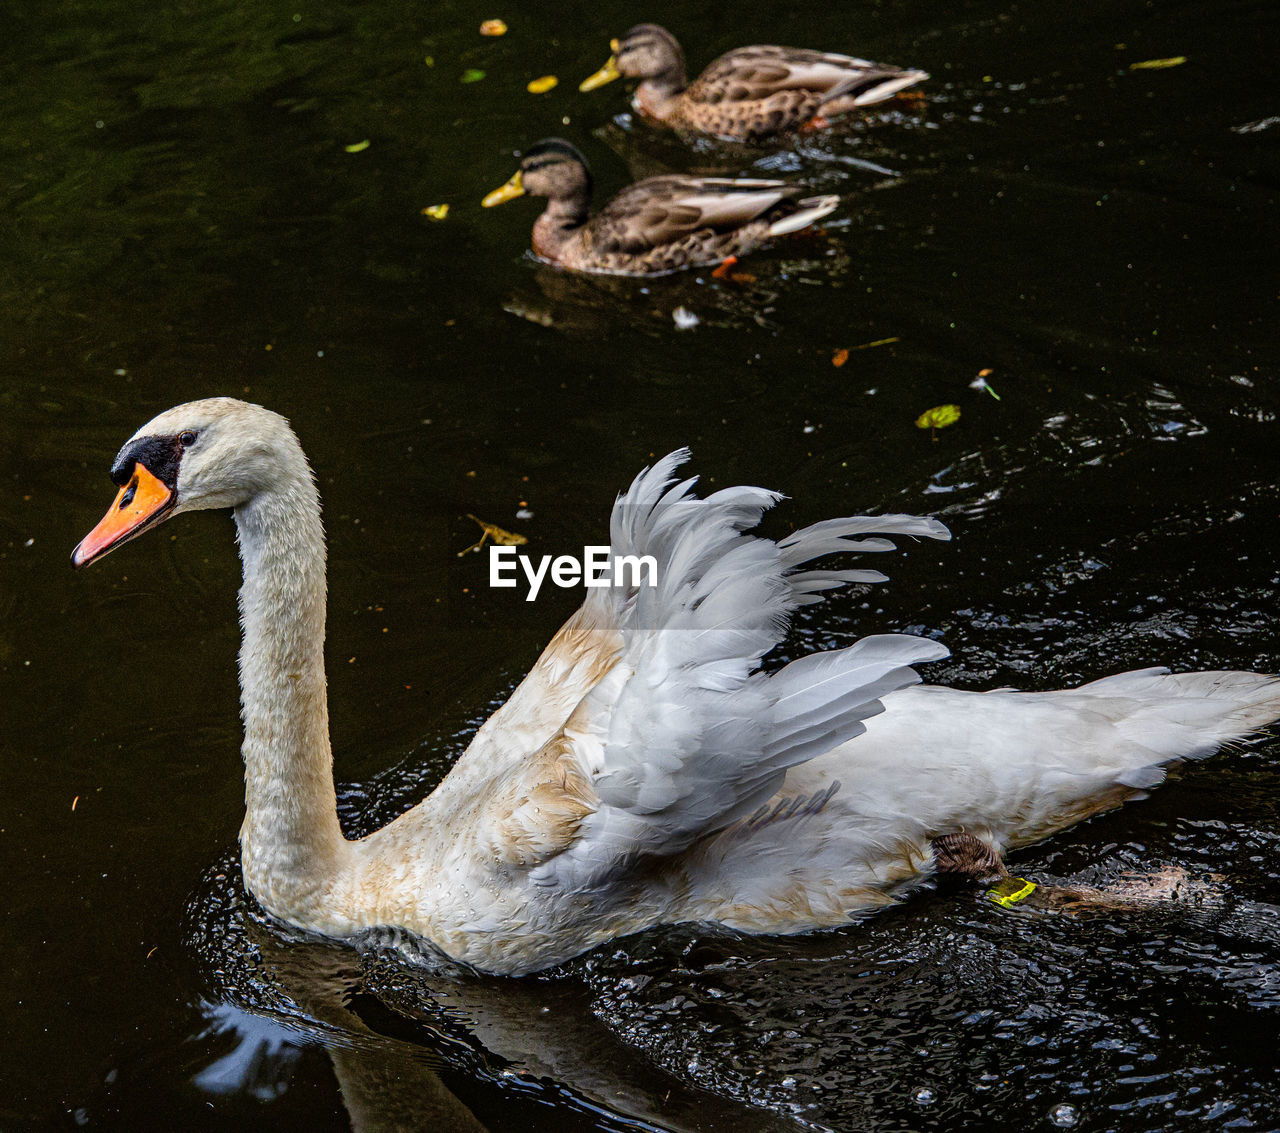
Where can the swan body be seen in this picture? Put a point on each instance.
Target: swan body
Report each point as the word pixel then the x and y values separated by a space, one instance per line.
pixel 656 226
pixel 751 94
pixel 645 771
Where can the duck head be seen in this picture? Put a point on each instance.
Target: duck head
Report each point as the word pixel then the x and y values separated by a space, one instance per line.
pixel 647 52
pixel 550 168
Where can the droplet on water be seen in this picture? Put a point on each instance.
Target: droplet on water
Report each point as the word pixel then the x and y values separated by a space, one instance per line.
pixel 1063 1115
pixel 924 1095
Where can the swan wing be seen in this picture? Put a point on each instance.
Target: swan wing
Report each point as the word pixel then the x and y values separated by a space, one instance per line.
pixel 681 733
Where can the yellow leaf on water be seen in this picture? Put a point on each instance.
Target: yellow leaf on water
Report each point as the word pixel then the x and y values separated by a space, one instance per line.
pixel 939 417
pixel 356 147
pixel 1158 64
pixel 542 85
pixel 493 27
pixel 492 531
pixel 436 212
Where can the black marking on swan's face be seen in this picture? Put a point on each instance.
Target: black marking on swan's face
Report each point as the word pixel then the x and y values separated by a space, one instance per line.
pixel 161 456
pixel 146 470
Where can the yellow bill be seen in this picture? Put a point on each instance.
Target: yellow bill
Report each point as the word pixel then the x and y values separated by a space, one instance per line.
pixel 606 74
pixel 512 189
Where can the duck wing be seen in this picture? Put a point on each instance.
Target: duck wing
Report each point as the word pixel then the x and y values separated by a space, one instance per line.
pixel 752 74
pixel 677 733
pixel 665 210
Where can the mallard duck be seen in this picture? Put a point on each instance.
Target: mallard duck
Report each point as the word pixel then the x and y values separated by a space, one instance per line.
pixel 656 226
pixel 748 95
pixel 647 770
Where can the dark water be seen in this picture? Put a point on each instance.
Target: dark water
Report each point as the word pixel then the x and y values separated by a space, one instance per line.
pixel 182 218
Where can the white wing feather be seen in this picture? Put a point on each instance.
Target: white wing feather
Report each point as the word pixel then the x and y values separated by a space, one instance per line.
pixel 684 735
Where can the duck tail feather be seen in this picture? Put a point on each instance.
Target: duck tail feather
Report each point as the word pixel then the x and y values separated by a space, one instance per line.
pixel 887 86
pixel 807 211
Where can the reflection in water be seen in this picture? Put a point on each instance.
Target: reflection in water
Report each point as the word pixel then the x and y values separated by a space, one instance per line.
pixel 948 1005
pixel 589 305
pixel 394 1018
pixel 262 1061
pixel 279 992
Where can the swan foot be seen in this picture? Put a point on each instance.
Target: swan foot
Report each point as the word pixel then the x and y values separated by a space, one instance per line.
pixel 967 857
pixel 1169 885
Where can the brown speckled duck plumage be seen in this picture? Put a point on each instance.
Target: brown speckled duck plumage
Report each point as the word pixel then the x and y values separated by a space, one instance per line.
pixel 658 225
pixel 751 94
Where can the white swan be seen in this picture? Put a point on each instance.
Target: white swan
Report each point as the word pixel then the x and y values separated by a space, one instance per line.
pixel 645 771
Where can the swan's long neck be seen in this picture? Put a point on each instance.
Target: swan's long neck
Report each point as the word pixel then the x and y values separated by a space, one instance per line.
pixel 292 847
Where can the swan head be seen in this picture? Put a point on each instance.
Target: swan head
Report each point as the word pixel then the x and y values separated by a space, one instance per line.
pixel 214 453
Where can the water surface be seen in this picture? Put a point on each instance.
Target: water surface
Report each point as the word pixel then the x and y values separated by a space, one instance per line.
pixel 182 218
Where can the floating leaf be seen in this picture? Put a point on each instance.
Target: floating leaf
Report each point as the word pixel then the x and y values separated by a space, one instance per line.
pixel 840 357
pixel 429 60
pixel 939 417
pixel 471 75
pixel 436 212
pixel 493 27
pixel 492 531
pixel 1158 64
pixel 542 85
pixel 357 147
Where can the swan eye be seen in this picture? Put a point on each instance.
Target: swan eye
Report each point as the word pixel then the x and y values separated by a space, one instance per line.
pixel 187 439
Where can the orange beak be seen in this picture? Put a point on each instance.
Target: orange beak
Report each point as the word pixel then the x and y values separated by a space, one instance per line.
pixel 141 503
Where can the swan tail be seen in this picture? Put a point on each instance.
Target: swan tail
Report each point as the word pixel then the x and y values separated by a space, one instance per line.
pixel 1018 767
pixel 1143 723
pixel 1179 716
